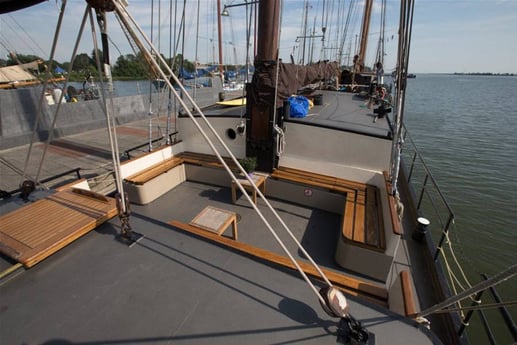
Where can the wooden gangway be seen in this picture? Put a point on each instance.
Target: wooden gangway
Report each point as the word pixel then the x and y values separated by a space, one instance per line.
pixel 39 229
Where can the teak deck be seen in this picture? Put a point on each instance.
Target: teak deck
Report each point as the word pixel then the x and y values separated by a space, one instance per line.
pixel 38 230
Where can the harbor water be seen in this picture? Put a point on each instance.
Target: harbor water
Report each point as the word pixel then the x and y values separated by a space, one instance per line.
pixel 466 129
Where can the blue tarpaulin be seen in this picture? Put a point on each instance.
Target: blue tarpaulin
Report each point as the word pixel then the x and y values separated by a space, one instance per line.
pixel 298 106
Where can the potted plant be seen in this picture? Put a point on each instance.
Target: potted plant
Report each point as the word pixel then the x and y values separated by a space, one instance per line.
pixel 249 164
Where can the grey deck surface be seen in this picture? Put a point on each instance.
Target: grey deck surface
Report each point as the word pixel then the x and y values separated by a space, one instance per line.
pixel 348 112
pixel 174 288
pixel 171 287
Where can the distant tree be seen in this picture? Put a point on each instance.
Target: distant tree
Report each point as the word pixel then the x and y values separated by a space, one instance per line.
pixel 82 62
pixel 131 66
pixel 92 57
pixel 65 65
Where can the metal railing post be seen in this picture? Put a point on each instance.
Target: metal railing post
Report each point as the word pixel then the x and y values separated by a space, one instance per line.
pixel 442 239
pixel 412 166
pixel 422 192
pixel 465 321
pixel 504 311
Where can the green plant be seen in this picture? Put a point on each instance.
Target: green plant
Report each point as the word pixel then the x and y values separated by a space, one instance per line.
pixel 248 163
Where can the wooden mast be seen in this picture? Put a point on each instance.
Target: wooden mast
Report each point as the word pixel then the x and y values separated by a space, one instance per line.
pixel 260 113
pixel 220 38
pixel 365 28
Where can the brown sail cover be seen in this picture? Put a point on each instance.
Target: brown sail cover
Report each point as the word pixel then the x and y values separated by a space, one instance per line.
pixel 291 78
pixel 7 6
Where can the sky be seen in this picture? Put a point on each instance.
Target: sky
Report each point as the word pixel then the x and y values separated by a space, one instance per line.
pixel 448 35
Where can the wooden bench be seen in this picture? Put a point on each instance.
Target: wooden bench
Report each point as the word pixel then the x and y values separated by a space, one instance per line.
pixel 395 221
pixel 153 171
pixel 408 295
pixel 151 182
pixel 207 160
pixel 362 222
pixel 375 293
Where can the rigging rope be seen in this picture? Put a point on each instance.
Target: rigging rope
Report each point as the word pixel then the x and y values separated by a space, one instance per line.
pixel 406 26
pixel 497 279
pixel 121 197
pixel 127 19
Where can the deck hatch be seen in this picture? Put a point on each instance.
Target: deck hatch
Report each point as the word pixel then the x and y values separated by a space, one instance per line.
pixel 37 230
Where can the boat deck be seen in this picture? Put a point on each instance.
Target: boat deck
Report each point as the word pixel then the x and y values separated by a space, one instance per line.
pixel 346 111
pixel 354 114
pixel 176 287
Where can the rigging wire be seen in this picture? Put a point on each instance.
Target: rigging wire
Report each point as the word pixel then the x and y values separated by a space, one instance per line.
pixel 169 103
pixel 196 51
pixel 352 11
pixel 478 307
pixel 483 285
pixel 121 197
pixel 27 34
pixel 42 96
pixel 150 113
pixel 60 101
pixel 126 17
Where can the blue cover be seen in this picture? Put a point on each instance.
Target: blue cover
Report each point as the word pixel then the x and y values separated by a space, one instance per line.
pixel 298 106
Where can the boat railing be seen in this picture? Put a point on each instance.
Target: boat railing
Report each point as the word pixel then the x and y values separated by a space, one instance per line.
pixel 77 172
pixel 172 139
pixel 431 202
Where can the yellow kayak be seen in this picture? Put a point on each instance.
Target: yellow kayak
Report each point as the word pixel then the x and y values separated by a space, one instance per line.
pixel 233 102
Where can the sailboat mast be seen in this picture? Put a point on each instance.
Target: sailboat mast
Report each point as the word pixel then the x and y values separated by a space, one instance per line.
pixel 260 113
pixel 267 45
pixel 220 37
pixel 365 28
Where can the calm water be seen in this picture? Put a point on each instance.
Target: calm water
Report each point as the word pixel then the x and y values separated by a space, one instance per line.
pixel 466 128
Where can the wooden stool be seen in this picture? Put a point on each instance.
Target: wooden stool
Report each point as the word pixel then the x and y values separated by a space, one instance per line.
pixel 216 220
pixel 258 180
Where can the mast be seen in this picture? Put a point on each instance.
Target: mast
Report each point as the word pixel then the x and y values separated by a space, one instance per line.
pixel 365 28
pixel 260 114
pixel 220 37
pixel 267 45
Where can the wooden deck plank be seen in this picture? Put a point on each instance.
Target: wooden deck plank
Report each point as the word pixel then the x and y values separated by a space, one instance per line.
pixel 351 285
pixel 360 221
pixel 208 160
pixel 395 221
pixel 408 294
pixel 313 181
pixel 322 177
pixel 349 216
pixel 153 171
pixel 37 230
pixel 372 233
